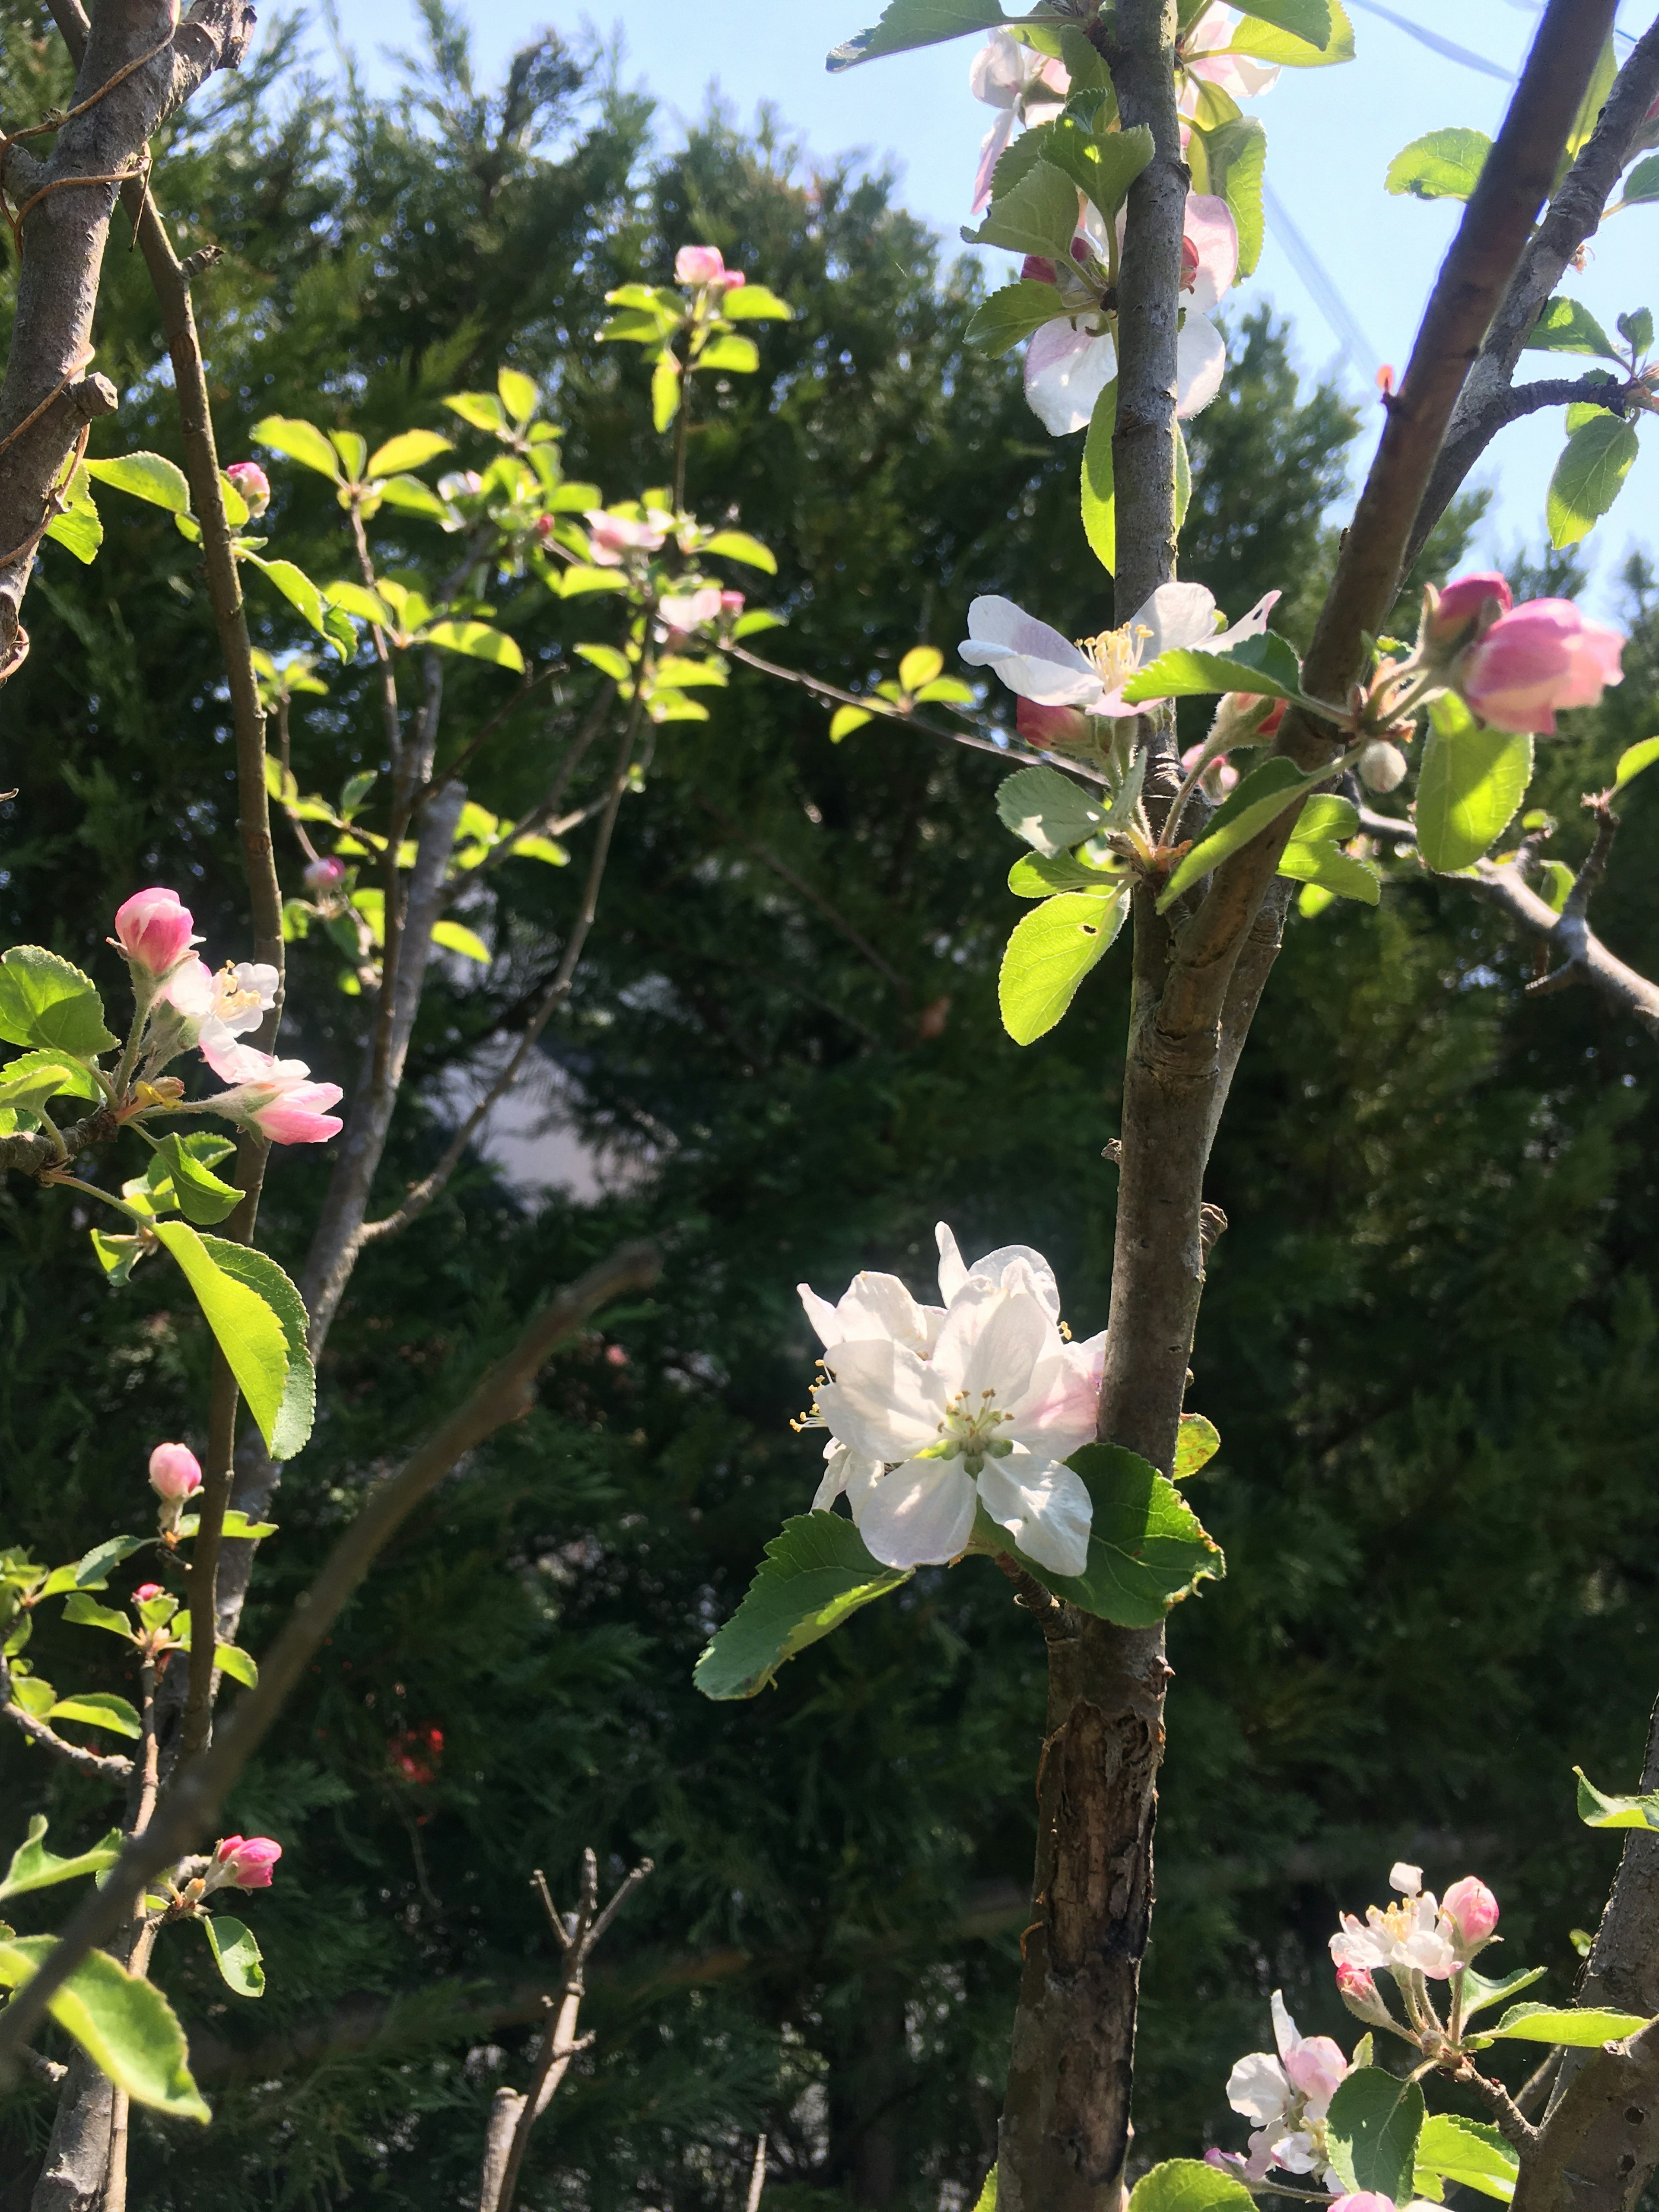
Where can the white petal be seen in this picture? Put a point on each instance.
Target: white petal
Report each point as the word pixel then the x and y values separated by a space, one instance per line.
pixel 1031 659
pixel 884 1402
pixel 1044 1507
pixel 995 1264
pixel 1066 372
pixel 919 1514
pixel 1209 227
pixel 822 1314
pixel 990 153
pixel 999 70
pixel 1406 1878
pixel 952 1272
pixel 845 1470
pixel 1250 625
pixel 1257 2088
pixel 1004 1342
pixel 1285 2035
pixel 1295 2152
pixel 1201 364
pixel 1176 615
pixel 879 1305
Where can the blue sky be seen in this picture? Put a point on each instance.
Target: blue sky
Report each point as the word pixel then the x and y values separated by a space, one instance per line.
pixel 1331 135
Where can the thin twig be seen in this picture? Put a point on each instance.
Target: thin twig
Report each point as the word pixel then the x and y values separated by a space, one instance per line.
pixel 781 869
pixel 756 2177
pixel 107 1767
pixel 185 1813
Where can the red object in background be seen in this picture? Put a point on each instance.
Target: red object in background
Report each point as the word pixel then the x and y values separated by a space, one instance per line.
pixel 417 1753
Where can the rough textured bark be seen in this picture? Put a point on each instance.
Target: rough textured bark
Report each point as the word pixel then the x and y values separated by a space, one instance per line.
pixel 47 398
pixel 1198 978
pixel 1601 2142
pixel 72 2178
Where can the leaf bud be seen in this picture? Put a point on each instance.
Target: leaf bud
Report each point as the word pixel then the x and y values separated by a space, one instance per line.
pixel 1381 766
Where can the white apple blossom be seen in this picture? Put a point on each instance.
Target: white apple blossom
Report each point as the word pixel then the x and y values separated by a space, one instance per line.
pixel 1070 360
pixel 1203 51
pixel 1023 87
pixel 1413 1935
pixel 1039 664
pixel 216 1008
pixel 1287 2097
pixel 934 1409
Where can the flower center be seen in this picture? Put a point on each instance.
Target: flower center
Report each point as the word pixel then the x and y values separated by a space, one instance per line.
pixel 230 999
pixel 969 1432
pixel 1116 653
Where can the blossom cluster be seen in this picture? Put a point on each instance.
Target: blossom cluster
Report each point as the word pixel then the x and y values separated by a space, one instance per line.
pixel 185 1005
pixel 936 1411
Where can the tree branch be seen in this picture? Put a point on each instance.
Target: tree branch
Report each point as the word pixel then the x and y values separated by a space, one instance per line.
pixel 107 1767
pixel 1471 433
pixel 184 1817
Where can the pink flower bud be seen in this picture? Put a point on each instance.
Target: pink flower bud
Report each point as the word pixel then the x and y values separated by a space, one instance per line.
pixel 1043 726
pixel 1363 2200
pixel 702 264
pixel 1355 1982
pixel 243 1863
pixel 1241 702
pixel 153 929
pixel 145 1591
pixel 732 603
pixel 323 875
pixel 174 1471
pixel 1037 268
pixel 1473 1909
pixel 1189 265
pixel 1459 606
pixel 299 1115
pixel 251 480
pixel 1540 658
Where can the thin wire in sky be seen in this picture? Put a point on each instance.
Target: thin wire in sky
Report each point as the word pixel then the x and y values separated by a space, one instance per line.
pixel 1435 43
pixel 1357 349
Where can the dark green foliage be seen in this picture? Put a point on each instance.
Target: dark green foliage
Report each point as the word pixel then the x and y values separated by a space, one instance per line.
pixel 1428 1340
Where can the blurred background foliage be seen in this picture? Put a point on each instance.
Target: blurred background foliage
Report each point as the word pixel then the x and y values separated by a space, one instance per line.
pixel 1428 1340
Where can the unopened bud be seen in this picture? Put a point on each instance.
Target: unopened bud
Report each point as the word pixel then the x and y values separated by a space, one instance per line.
pixel 1358 1992
pixel 1468 605
pixel 1043 726
pixel 1381 766
pixel 325 875
pixel 251 480
pixel 1474 1910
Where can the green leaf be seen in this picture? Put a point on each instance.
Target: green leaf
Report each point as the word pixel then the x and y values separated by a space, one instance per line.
pixel 149 476
pixel 34 1866
pixel 1446 164
pixel 33 1694
pixel 478 641
pixel 1633 760
pixel 1468 2152
pixel 1188 2185
pixel 1372 2128
pixel 296 587
pixel 1099 486
pixel 1196 1446
pixel 1637 329
pixel 1642 182
pixel 481 408
pixel 1012 313
pixel 1589 476
pixel 753 303
pixel 1566 327
pixel 238 1524
pixel 411 496
pixel 1037 215
pixel 845 721
pixel 1051 950
pixel 1597 1810
pixel 46 1002
pixel 1266 666
pixel 70 1075
pixel 1147 1548
pixel 125 2025
pixel 260 1273
pixel 235 1953
pixel 1314 854
pixel 353 451
pixel 906 23
pixel 1258 800
pixel 81 1611
pixel 1468 791
pixel 739 545
pixel 230 1659
pixel 664 390
pixel 300 442
pixel 410 449
pixel 455 937
pixel 580 577
pixel 98 1709
pixel 987 2200
pixel 1236 157
pixel 610 660
pixel 1102 166
pixel 201 1196
pixel 250 1334
pixel 357 599
pixel 1047 810
pixel 78 528
pixel 728 349
pixel 1579 2031
pixel 1478 1992
pixel 1037 875
pixel 816 1571
pixel 91 1571
pixel 519 394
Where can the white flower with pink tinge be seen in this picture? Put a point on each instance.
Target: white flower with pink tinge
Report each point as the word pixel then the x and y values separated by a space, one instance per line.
pixel 224 1005
pixel 1069 363
pixel 1287 2097
pixel 1202 50
pixel 612 538
pixel 978 1402
pixel 1414 1934
pixel 1023 86
pixel 1039 664
pixel 275 1096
